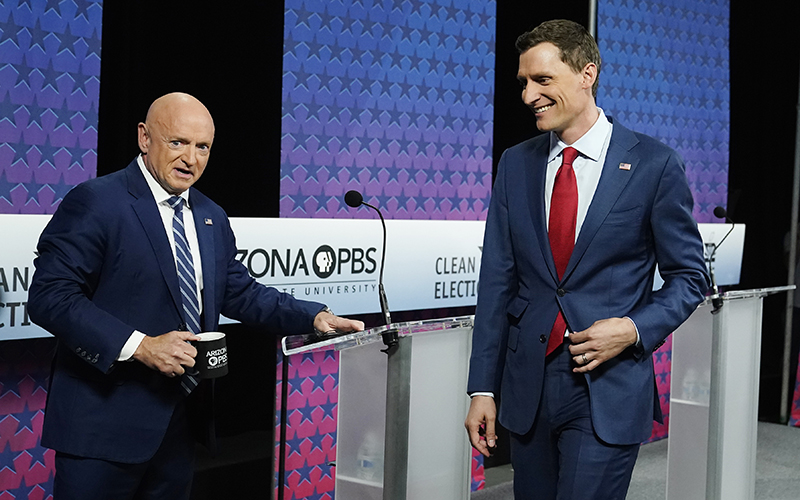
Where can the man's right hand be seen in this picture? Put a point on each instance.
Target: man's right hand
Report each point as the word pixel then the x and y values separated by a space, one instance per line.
pixel 167 353
pixel 482 412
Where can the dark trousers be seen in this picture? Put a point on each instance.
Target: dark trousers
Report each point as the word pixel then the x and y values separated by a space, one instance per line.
pixel 561 457
pixel 167 476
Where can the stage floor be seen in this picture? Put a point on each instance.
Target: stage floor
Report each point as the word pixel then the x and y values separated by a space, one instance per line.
pixel 777 469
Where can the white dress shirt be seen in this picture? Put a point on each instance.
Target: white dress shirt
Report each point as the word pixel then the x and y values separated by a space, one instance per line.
pixel 592 148
pixel 161 197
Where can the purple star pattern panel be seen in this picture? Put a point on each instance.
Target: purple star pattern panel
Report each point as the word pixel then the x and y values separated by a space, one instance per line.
pixel 666 74
pixel 49 92
pixel 393 98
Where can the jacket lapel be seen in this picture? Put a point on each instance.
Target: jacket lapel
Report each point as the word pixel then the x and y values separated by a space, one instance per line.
pixel 147 212
pixel 205 240
pixel 612 182
pixel 535 172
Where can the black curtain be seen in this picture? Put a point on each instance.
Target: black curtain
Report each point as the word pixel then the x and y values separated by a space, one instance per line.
pixel 228 55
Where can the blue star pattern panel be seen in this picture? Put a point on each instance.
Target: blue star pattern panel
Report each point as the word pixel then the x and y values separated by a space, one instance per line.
pixel 393 98
pixel 49 93
pixel 666 74
pixel 26 468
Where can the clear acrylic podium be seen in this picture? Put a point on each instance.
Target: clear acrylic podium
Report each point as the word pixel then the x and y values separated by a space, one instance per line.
pixel 401 416
pixel 714 400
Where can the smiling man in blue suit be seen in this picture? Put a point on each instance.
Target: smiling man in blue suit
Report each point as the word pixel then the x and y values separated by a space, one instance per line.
pixel 567 321
pixel 130 267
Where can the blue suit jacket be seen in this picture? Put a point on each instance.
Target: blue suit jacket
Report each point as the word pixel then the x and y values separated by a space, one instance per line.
pixel 638 218
pixel 105 268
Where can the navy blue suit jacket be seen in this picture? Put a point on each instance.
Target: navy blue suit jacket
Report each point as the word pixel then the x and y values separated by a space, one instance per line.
pixel 638 218
pixel 105 268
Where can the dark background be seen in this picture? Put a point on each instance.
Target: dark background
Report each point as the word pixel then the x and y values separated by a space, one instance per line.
pixel 764 69
pixel 229 56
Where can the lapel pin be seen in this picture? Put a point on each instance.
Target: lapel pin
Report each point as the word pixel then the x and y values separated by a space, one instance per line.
pixel 210 223
pixel 624 166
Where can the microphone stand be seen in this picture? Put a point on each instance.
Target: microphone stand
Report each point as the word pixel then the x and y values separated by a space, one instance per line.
pixel 390 337
pixel 716 298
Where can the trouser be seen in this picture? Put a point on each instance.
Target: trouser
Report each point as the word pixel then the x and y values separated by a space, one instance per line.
pixel 166 476
pixel 561 457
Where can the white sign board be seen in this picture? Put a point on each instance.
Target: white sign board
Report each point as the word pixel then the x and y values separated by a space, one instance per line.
pixel 726 258
pixel 20 235
pixel 429 264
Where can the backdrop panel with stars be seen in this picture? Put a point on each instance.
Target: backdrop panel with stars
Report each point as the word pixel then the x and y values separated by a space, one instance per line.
pixel 49 93
pixel 666 74
pixel 395 100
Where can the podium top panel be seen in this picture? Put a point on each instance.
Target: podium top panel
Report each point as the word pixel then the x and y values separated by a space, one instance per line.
pixel 756 292
pixel 296 344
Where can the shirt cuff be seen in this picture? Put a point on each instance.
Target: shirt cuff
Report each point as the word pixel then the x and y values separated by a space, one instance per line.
pixel 490 394
pixel 126 354
pixel 638 337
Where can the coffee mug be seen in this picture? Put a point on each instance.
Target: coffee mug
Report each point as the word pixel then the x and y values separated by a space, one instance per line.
pixel 212 355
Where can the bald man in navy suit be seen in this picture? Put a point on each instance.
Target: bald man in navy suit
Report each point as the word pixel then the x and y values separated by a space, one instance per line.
pixel 567 321
pixel 107 287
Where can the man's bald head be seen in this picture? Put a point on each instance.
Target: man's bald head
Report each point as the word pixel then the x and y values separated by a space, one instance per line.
pixel 178 104
pixel 175 140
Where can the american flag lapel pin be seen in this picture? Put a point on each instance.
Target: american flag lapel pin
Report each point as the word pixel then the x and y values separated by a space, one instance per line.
pixel 210 223
pixel 624 166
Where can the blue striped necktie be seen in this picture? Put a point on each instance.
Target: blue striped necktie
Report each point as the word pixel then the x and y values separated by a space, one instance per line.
pixel 188 284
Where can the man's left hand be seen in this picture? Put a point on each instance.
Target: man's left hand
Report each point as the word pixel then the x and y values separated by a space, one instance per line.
pixel 600 342
pixel 327 322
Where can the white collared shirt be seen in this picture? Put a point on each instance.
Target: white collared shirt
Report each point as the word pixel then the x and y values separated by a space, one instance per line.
pixel 161 197
pixel 592 146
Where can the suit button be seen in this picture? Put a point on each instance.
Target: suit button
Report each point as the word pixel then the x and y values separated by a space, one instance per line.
pixel 542 338
pixel 561 292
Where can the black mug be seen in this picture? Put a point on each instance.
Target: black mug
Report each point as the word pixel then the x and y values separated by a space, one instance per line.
pixel 212 355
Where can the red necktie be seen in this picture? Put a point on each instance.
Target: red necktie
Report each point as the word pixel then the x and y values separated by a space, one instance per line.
pixel 561 230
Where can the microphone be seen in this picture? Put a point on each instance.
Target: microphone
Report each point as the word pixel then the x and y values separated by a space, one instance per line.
pixel 355 200
pixel 716 298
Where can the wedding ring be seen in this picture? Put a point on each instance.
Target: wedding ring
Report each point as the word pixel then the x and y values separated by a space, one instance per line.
pixel 585 361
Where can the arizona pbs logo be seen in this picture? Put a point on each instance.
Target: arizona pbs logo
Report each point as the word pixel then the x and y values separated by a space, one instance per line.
pixel 324 262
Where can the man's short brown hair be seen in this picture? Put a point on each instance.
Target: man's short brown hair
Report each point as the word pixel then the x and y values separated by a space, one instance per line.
pixel 576 47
